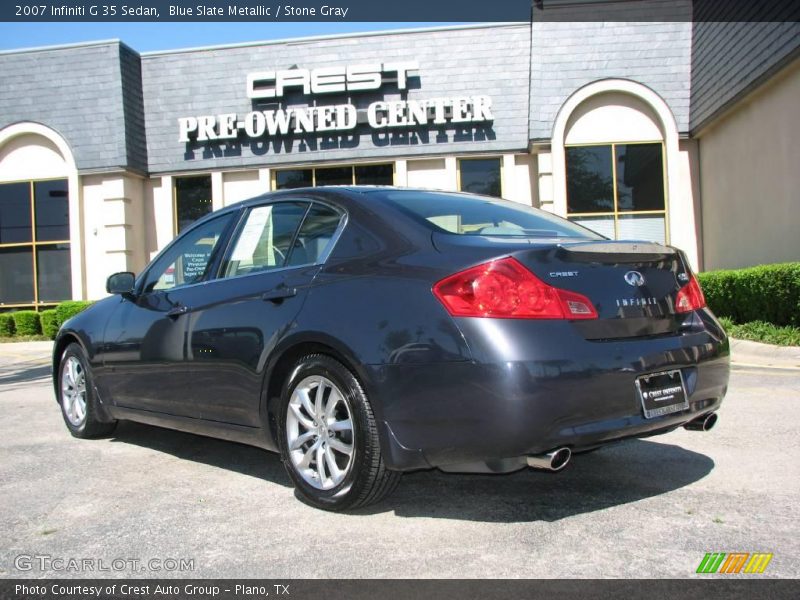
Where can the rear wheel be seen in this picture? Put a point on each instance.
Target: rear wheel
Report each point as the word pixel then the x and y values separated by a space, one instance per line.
pixel 76 396
pixel 328 437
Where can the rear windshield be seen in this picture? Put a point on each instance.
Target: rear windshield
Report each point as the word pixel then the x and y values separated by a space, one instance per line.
pixel 480 215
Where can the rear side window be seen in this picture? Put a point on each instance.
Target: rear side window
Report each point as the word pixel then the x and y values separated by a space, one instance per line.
pixel 264 241
pixel 315 236
pixel 480 215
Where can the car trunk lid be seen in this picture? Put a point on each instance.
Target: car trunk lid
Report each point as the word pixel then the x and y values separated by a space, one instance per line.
pixel 632 285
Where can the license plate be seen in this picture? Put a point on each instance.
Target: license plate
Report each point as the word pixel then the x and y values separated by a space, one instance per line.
pixel 662 393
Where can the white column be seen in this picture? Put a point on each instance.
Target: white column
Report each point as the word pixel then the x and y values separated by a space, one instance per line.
pixel 401 173
pixel 164 212
pixel 451 173
pixel 217 191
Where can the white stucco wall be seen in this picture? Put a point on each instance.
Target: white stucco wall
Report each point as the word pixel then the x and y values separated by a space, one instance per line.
pixel 750 186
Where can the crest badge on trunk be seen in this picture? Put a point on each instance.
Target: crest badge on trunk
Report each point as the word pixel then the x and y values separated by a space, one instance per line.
pixel 634 278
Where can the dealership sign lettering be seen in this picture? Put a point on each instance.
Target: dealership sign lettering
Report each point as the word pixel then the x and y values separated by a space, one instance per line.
pixel 273 85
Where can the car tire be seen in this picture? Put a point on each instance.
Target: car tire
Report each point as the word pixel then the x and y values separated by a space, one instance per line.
pixel 77 398
pixel 324 414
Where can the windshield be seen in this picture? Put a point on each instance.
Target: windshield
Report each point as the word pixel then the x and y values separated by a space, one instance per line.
pixel 463 214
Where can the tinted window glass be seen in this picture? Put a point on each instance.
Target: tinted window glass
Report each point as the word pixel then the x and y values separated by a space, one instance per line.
pixel 293 178
pixel 188 258
pixel 374 175
pixel 51 201
pixel 265 238
pixel 480 176
pixel 15 213
pixel 640 177
pixel 315 236
pixel 54 271
pixel 467 215
pixel 590 183
pixel 192 199
pixel 334 176
pixel 16 275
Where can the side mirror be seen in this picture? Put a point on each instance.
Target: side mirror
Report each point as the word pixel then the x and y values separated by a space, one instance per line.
pixel 120 283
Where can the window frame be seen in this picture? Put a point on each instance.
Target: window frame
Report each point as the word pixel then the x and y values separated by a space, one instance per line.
pixel 497 157
pixel 313 169
pixel 34 245
pixel 242 220
pixel 616 213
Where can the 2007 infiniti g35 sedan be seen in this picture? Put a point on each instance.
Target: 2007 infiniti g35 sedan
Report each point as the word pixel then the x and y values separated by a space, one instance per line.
pixel 363 332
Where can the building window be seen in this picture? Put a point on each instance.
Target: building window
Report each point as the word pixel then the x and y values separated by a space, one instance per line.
pixel 192 200
pixel 34 244
pixel 381 174
pixel 480 176
pixel 618 190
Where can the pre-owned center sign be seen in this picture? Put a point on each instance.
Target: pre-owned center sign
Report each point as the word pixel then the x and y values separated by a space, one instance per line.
pixel 266 85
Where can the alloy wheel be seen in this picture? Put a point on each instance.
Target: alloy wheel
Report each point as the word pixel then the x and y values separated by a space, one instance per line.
pixel 73 391
pixel 319 432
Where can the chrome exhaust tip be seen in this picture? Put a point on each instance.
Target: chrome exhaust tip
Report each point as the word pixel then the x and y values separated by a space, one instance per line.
pixel 552 461
pixel 704 423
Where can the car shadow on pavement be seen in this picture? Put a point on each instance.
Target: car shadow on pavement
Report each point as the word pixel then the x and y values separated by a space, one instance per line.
pixel 619 474
pixel 626 472
pixel 239 458
pixel 22 375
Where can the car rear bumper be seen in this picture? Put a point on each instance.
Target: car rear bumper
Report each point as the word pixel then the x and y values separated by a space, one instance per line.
pixel 566 392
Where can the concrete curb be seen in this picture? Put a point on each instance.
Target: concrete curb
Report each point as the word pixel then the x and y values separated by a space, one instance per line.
pixel 765 355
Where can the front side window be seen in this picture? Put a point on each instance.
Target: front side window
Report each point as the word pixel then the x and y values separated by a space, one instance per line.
pixel 480 176
pixel 188 259
pixel 265 240
pixel 192 200
pixel 35 268
pixel 618 190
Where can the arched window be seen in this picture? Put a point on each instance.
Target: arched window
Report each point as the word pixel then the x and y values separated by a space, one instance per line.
pixel 35 247
pixel 614 156
pixel 616 165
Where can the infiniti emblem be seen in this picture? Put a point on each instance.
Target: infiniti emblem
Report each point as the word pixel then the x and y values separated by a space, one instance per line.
pixel 634 278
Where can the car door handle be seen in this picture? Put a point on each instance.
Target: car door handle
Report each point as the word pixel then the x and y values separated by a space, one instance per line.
pixel 177 311
pixel 279 294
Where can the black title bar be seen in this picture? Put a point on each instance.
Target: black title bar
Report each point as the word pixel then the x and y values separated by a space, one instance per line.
pixel 405 10
pixel 369 589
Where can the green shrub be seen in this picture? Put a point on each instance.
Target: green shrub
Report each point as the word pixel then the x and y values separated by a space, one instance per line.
pixel 49 326
pixel 769 293
pixel 767 333
pixel 26 322
pixel 6 325
pixel 67 310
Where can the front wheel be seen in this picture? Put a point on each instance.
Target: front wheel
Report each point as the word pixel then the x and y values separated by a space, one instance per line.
pixel 76 396
pixel 329 439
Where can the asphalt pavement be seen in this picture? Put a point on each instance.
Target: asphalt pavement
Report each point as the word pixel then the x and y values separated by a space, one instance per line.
pixel 149 502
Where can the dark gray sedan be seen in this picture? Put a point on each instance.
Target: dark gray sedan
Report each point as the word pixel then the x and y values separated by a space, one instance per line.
pixel 363 332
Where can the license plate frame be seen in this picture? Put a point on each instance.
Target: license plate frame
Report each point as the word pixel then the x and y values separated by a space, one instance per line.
pixel 660 399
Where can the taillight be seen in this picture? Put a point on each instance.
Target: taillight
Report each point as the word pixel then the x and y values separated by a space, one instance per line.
pixel 690 297
pixel 505 289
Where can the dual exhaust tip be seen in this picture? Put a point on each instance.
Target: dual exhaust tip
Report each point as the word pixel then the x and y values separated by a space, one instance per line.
pixel 559 458
pixel 552 461
pixel 704 423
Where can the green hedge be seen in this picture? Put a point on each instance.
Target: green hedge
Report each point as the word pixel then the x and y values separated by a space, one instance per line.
pixel 26 322
pixel 67 310
pixel 768 293
pixel 49 322
pixel 6 325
